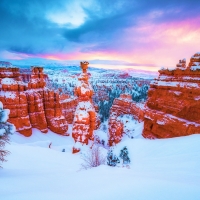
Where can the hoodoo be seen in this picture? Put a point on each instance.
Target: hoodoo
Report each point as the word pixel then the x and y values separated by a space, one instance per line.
pixel 173 105
pixel 85 116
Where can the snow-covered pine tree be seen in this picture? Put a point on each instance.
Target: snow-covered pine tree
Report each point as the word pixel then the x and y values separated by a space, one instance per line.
pixel 112 159
pixel 6 128
pixel 124 156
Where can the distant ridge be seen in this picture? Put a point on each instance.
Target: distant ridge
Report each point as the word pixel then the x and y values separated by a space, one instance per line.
pixel 5 64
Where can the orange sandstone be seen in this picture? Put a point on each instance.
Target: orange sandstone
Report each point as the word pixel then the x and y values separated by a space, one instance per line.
pixel 173 105
pixel 85 119
pixel 31 104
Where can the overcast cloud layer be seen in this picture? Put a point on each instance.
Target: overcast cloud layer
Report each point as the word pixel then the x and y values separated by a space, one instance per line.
pixel 145 32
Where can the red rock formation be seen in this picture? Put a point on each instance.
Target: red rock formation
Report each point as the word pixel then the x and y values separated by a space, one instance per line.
pixel 121 106
pixel 36 111
pixel 53 111
pixel 173 105
pixel 85 116
pixel 68 106
pixel 31 104
pixel 115 131
pixel 13 97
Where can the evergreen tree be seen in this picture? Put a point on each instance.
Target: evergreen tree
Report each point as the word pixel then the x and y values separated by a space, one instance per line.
pixel 124 156
pixel 5 129
pixel 112 159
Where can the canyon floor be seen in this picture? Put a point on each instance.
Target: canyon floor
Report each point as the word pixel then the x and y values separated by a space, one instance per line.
pixel 160 169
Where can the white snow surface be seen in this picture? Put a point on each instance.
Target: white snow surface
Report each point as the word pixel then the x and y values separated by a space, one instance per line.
pixel 175 84
pixel 8 81
pixel 8 94
pixel 194 68
pixel 160 169
pixel 2 131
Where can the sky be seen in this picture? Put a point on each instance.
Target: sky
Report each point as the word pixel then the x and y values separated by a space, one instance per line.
pixel 140 34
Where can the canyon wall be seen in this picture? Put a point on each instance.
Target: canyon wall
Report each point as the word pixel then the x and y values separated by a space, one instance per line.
pixel 173 105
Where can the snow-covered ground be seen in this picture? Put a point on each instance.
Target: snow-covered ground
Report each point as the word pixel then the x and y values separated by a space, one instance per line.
pixel 159 170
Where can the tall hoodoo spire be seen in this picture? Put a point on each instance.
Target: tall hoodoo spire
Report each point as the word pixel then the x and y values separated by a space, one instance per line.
pixel 84 66
pixel 85 115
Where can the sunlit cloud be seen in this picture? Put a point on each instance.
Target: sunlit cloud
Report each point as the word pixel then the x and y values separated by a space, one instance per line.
pixel 72 15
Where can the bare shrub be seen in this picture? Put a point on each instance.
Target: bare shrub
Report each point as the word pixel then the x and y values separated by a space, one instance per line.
pixel 93 158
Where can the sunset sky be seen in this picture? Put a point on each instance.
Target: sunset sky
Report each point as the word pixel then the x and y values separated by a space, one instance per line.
pixel 141 34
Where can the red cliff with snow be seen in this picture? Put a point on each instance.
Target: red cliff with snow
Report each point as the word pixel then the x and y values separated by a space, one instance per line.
pixel 173 105
pixel 31 104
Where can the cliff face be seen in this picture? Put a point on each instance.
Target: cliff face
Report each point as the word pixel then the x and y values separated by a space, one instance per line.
pixel 122 106
pixel 173 105
pixel 31 104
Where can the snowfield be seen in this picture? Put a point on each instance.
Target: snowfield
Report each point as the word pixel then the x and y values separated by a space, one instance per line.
pixel 160 170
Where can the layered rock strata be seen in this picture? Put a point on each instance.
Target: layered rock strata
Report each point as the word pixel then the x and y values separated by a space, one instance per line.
pixel 31 104
pixel 173 105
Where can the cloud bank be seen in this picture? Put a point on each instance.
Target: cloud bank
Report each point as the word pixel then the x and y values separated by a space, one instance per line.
pixel 140 32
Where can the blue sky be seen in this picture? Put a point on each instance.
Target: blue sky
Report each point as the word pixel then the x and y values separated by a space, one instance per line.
pixel 140 33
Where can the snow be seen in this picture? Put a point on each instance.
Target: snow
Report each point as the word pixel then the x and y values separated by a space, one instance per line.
pixel 8 81
pixel 159 169
pixel 132 128
pixel 176 84
pixel 177 93
pixel 4 115
pixel 182 78
pixel 194 68
pixel 1 105
pixel 168 118
pixel 160 122
pixel 68 99
pixel 8 94
pixel 86 105
pixel 2 131
pixel 197 98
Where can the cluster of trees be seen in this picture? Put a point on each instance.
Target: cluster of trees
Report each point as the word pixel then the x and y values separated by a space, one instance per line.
pixel 138 93
pixel 5 129
pixel 113 160
pixel 94 158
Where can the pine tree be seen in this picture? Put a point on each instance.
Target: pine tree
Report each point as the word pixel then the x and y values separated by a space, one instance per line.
pixel 5 129
pixel 124 156
pixel 112 159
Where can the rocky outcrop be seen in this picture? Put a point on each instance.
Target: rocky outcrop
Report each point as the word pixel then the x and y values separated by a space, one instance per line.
pixel 122 106
pixel 125 105
pixel 31 104
pixel 85 116
pixel 55 120
pixel 68 105
pixel 173 105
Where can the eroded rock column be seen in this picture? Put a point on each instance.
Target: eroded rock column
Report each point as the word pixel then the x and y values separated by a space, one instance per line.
pixel 85 116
